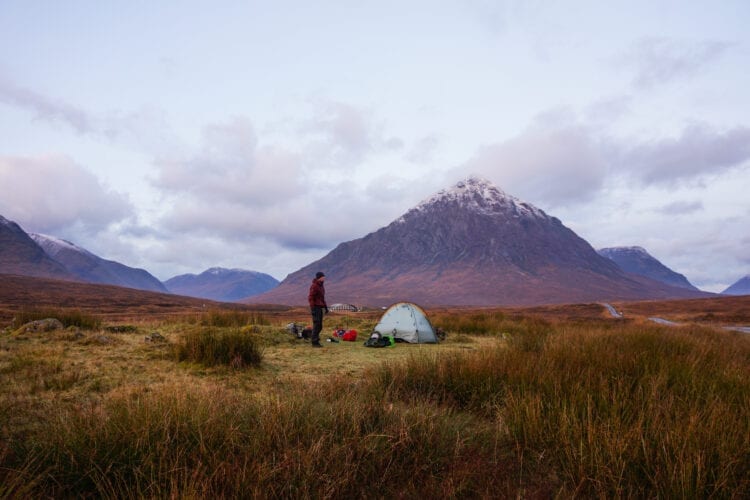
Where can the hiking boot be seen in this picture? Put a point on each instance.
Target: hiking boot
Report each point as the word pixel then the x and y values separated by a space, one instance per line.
pixel 316 344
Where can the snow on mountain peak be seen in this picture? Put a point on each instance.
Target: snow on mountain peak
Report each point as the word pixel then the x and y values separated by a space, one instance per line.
pixel 220 271
pixel 9 224
pixel 634 249
pixel 53 245
pixel 481 196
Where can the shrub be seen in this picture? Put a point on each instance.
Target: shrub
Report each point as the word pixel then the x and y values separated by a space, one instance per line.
pixel 212 347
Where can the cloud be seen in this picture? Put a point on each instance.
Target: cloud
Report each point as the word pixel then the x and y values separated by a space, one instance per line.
pixel 52 194
pixel 608 110
pixel 319 218
pixel 559 162
pixel 681 208
pixel 146 129
pixel 45 108
pixel 344 135
pixel 235 189
pixel 699 150
pixel 658 61
pixel 423 150
pixel 714 257
pixel 232 168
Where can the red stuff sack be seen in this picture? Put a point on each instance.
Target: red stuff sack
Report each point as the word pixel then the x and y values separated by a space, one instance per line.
pixel 349 335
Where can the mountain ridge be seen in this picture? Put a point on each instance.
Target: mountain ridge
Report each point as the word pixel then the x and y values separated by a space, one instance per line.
pixel 739 287
pixel 636 260
pixel 218 283
pixel 20 254
pixel 91 268
pixel 471 244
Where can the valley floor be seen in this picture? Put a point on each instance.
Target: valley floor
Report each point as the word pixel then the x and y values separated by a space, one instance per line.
pixel 557 400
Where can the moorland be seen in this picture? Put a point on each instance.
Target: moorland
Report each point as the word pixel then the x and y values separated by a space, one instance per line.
pixel 151 395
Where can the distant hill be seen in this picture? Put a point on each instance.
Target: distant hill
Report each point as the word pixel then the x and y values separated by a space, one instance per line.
pixel 93 269
pixel 20 254
pixel 471 244
pixel 115 303
pixel 222 284
pixel 638 261
pixel 741 287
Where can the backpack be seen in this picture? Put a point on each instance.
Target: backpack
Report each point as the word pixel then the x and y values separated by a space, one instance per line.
pixel 378 340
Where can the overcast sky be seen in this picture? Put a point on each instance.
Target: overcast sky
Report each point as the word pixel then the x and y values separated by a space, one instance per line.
pixel 181 135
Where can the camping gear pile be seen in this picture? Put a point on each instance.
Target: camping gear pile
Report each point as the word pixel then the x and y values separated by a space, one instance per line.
pixel 299 331
pixel 401 322
pixel 345 335
pixel 378 340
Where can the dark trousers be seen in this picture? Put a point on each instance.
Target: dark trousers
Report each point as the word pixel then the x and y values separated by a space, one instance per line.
pixel 317 318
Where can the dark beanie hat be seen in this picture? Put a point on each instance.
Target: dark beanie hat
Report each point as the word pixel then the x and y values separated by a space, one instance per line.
pixel 319 275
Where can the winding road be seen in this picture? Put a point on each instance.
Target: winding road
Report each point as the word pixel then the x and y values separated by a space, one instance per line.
pixel 613 312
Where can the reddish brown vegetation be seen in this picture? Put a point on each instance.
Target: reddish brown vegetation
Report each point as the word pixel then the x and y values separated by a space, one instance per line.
pixel 725 310
pixel 111 302
pixel 118 304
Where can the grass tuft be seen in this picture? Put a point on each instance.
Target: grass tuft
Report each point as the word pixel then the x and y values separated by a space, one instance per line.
pixel 223 318
pixel 212 347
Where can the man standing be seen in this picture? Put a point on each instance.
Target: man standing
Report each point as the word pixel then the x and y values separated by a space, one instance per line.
pixel 317 300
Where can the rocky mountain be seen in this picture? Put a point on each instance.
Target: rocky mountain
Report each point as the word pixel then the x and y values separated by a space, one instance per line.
pixel 93 269
pixel 471 244
pixel 741 287
pixel 227 285
pixel 637 260
pixel 20 254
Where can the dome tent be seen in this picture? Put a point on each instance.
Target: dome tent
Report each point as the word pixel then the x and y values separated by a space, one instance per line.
pixel 408 322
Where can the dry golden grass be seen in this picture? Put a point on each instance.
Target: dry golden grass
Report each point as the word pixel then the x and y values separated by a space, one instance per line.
pixel 555 401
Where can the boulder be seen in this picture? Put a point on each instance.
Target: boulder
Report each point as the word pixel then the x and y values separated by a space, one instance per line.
pixel 41 325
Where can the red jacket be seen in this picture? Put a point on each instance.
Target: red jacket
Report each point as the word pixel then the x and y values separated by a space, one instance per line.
pixel 317 295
